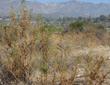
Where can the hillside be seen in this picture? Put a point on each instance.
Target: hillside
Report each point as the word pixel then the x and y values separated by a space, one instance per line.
pixel 73 8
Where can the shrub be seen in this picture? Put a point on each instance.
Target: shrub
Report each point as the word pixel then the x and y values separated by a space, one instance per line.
pixel 76 26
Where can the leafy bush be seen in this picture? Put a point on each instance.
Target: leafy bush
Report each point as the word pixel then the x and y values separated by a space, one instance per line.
pixel 76 26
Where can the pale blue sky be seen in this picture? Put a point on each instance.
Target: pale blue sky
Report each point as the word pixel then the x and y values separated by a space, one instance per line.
pixel 94 1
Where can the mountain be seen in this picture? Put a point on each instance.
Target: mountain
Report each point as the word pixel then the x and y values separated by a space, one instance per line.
pixel 72 8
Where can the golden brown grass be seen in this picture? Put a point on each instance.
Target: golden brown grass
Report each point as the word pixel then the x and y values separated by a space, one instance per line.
pixel 33 56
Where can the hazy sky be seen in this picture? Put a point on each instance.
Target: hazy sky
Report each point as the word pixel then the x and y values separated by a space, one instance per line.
pixel 94 1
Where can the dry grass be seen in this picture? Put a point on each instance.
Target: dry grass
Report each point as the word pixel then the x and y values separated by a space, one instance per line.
pixel 30 55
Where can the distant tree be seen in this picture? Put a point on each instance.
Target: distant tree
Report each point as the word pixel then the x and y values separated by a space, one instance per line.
pixel 76 26
pixel 102 17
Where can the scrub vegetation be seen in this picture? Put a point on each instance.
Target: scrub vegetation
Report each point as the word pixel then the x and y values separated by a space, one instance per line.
pixel 40 53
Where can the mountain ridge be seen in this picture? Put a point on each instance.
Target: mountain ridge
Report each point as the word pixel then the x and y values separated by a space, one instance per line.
pixel 72 8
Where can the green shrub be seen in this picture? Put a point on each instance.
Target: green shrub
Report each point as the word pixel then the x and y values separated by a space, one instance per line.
pixel 76 26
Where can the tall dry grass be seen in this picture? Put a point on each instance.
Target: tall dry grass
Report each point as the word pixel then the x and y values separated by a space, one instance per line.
pixel 30 55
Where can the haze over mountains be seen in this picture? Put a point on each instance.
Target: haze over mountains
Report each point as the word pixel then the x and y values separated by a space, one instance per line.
pixel 71 8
